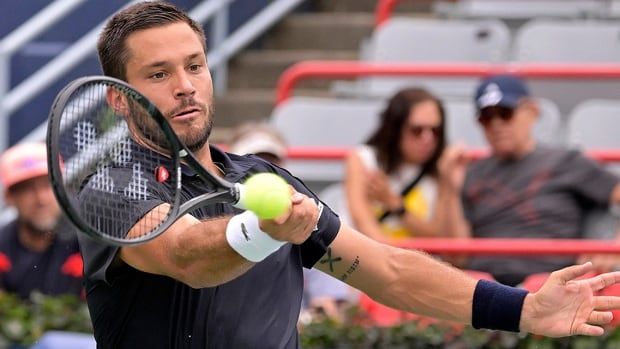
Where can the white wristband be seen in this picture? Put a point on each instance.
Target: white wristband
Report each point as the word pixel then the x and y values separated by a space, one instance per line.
pixel 245 237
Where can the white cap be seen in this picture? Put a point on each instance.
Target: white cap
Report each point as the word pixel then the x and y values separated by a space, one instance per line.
pixel 259 142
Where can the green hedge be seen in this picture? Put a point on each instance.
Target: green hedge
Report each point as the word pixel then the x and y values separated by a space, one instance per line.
pixel 354 333
pixel 23 322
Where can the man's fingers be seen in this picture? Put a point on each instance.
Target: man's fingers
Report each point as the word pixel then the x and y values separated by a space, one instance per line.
pixel 606 303
pixel 297 198
pixel 589 330
pixel 600 317
pixel 570 273
pixel 601 281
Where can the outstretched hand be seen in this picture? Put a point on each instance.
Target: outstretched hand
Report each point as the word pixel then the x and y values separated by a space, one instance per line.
pixel 566 306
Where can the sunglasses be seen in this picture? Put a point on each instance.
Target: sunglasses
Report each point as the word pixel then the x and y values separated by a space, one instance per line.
pixel 486 115
pixel 417 131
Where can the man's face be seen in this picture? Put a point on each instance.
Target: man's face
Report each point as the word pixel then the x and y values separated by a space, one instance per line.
pixel 35 203
pixel 508 130
pixel 168 65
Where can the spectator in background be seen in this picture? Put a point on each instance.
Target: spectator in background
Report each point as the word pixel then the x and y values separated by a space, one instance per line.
pixel 259 139
pixel 391 182
pixel 323 295
pixel 32 255
pixel 524 189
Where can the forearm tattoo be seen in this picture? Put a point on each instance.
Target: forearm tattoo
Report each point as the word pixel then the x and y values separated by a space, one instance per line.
pixel 351 270
pixel 331 260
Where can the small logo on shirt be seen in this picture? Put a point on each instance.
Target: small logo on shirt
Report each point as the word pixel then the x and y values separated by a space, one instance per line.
pixel 161 174
pixel 73 266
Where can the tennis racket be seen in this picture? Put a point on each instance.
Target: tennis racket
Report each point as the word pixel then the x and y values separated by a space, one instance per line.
pixel 113 157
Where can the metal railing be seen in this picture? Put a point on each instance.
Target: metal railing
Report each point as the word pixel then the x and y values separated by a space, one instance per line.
pixel 506 246
pixel 352 69
pixel 224 46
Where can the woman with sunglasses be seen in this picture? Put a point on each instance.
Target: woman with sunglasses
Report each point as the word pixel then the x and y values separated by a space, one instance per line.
pixel 391 181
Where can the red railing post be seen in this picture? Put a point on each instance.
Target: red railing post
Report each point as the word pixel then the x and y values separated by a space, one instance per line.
pixel 384 10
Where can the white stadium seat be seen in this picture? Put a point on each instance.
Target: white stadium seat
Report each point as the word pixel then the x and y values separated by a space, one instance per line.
pixel 432 41
pixel 587 41
pixel 595 124
pixel 307 121
pixel 570 41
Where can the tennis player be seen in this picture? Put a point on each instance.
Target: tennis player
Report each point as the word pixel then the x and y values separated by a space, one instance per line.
pixel 202 285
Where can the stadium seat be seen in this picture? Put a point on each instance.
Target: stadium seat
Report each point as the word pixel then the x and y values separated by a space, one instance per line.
pixel 515 12
pixel 595 124
pixel 432 41
pixel 614 9
pixel 463 128
pixel 308 121
pixel 407 40
pixel 588 41
pixel 575 41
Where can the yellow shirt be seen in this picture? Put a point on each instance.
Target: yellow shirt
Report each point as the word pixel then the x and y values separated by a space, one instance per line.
pixel 419 201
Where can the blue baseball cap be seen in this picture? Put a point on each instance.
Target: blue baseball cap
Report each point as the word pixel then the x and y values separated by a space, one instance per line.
pixel 500 90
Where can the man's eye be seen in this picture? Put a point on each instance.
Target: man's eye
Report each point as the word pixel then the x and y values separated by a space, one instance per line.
pixel 159 75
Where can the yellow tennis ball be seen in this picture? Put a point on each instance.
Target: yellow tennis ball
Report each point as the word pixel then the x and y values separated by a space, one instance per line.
pixel 267 195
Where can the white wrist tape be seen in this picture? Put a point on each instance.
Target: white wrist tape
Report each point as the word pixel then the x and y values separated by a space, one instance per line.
pixel 245 237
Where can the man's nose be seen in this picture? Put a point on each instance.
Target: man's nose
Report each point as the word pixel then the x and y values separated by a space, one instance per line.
pixel 184 87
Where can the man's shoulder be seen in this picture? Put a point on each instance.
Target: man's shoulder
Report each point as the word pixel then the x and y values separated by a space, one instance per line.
pixel 555 155
pixel 547 153
pixel 7 232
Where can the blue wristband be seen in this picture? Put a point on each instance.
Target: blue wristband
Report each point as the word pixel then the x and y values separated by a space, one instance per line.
pixel 497 306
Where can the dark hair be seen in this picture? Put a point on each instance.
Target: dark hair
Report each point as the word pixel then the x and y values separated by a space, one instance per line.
pixel 111 46
pixel 387 138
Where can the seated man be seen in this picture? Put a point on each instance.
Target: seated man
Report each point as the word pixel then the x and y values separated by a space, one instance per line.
pixel 524 189
pixel 33 256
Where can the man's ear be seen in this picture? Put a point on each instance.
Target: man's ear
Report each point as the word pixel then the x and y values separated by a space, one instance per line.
pixel 117 101
pixel 532 106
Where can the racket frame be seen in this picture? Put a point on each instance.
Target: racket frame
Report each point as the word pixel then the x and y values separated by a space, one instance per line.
pixel 226 192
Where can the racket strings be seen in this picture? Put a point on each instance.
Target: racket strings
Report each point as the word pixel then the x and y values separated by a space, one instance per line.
pixel 112 180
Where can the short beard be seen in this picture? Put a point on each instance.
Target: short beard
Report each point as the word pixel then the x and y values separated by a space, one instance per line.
pixel 196 142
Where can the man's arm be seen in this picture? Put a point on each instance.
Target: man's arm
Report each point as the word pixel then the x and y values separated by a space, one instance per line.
pixel 415 282
pixel 409 280
pixel 452 172
pixel 197 252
